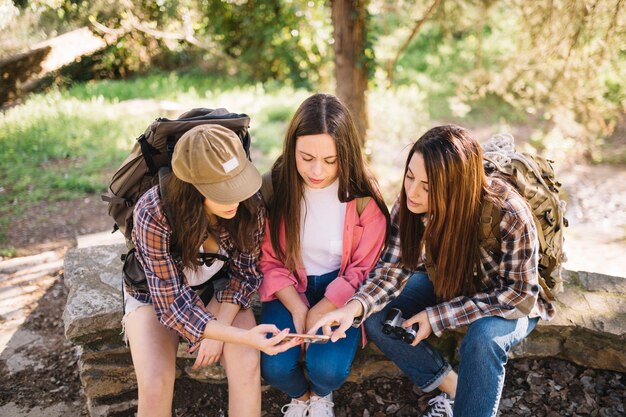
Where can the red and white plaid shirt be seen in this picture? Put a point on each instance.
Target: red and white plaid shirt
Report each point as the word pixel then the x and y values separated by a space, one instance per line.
pixel 510 277
pixel 177 306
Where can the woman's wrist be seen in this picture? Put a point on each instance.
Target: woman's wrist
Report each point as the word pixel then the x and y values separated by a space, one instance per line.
pixel 355 308
pixel 225 333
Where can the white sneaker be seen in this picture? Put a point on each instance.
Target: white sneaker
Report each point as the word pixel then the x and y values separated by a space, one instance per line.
pixel 295 408
pixel 439 406
pixel 321 406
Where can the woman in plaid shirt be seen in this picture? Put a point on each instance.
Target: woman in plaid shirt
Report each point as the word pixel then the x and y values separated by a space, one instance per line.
pixel 209 205
pixel 495 294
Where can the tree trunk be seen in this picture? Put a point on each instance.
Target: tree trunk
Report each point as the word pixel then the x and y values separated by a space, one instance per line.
pixel 349 33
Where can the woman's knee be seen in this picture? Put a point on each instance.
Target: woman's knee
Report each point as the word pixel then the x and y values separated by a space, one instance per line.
pixel 325 375
pixel 156 387
pixel 277 368
pixel 483 341
pixel 241 359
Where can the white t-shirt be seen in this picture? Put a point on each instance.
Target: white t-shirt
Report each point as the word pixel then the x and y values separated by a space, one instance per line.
pixel 203 273
pixel 321 229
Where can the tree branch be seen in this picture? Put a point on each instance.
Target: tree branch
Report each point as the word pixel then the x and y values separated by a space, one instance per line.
pixel 418 24
pixel 133 22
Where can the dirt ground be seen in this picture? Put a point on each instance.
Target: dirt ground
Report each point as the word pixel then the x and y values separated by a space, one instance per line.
pixel 547 387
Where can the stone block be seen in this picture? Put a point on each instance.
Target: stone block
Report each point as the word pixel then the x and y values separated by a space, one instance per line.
pixel 123 407
pixel 106 379
pixel 592 281
pixel 94 304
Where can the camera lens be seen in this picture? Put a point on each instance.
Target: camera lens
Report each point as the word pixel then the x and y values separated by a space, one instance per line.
pixel 387 329
pixel 408 337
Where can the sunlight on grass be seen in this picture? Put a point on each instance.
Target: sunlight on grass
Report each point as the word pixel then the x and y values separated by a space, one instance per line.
pixel 67 143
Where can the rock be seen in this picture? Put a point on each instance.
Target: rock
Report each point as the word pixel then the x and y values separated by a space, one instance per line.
pixel 124 408
pixel 370 362
pixel 213 373
pixel 590 327
pixel 106 380
pixel 94 304
pixel 592 281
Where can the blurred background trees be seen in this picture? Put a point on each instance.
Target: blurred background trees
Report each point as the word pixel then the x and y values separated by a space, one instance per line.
pixel 558 65
pixel 552 72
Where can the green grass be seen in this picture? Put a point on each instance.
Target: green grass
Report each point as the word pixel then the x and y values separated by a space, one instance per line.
pixel 66 144
pixel 162 86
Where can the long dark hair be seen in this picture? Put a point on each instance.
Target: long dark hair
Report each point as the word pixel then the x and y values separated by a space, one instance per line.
pixel 318 114
pixel 184 208
pixel 457 185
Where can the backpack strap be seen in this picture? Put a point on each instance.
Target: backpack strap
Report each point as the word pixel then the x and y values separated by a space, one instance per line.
pixel 361 203
pixel 491 238
pixel 267 188
pixel 489 232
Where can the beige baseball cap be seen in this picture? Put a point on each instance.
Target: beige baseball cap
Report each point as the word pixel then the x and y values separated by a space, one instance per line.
pixel 212 159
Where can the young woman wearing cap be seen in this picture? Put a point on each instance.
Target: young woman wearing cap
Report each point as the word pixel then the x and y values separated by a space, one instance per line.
pixel 208 204
pixel 436 227
pixel 327 225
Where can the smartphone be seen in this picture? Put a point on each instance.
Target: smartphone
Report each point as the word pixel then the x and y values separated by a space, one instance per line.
pixel 309 338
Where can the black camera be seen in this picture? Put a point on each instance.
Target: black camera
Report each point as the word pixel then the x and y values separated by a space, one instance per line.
pixel 393 324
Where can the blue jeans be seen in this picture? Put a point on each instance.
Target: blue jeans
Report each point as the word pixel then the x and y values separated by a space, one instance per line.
pixel 483 351
pixel 327 365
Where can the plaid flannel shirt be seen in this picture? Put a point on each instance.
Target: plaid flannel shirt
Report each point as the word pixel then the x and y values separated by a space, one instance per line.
pixel 510 278
pixel 177 306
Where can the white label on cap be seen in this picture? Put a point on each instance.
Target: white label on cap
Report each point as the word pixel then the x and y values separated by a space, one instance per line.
pixel 230 165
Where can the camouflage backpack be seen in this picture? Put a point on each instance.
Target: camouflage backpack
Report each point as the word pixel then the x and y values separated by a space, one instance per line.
pixel 533 177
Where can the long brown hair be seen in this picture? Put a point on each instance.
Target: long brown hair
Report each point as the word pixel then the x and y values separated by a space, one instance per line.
pixel 185 212
pixel 318 114
pixel 457 185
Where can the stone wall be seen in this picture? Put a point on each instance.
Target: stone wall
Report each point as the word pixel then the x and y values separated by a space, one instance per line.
pixel 589 331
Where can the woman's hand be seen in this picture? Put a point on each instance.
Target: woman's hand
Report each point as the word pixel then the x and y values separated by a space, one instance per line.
pixel 343 317
pixel 316 312
pixel 299 316
pixel 209 352
pixel 257 337
pixel 424 330
pixel 293 302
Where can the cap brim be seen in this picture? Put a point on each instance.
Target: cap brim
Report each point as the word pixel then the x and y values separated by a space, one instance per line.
pixel 233 190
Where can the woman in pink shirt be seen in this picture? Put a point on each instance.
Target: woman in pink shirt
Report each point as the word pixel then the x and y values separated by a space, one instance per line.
pixel 327 225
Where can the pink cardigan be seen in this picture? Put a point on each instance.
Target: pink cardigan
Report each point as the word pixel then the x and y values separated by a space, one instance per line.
pixel 363 239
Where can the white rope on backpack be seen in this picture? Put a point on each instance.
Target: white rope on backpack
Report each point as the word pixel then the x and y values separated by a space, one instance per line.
pixel 499 148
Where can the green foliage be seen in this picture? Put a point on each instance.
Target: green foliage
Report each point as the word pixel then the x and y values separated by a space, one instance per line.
pixel 270 39
pixel 557 65
pixel 260 41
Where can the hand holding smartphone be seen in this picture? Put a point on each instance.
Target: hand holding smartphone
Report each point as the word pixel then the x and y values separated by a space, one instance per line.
pixel 308 338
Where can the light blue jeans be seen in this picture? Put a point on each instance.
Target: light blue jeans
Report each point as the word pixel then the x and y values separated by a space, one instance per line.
pixel 483 351
pixel 327 365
